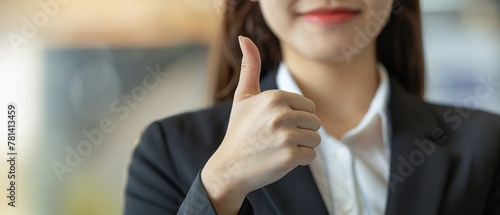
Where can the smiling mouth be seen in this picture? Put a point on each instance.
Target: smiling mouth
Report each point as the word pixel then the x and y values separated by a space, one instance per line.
pixel 330 16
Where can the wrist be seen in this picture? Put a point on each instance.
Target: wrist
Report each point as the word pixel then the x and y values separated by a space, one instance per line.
pixel 224 191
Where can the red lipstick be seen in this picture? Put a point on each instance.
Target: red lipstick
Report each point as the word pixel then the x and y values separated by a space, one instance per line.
pixel 330 16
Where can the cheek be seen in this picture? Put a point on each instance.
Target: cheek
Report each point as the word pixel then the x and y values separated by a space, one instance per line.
pixel 379 11
pixel 385 4
pixel 375 17
pixel 276 15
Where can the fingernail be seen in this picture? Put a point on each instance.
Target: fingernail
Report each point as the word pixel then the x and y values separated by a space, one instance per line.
pixel 240 38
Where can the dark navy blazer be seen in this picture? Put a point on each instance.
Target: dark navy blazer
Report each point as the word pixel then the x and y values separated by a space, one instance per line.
pixel 444 160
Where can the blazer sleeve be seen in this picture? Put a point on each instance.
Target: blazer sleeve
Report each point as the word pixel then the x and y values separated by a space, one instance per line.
pixel 153 186
pixel 197 202
pixel 493 202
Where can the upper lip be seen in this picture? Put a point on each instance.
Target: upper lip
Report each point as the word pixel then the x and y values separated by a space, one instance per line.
pixel 329 10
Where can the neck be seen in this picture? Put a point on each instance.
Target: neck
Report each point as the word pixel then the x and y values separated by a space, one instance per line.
pixel 342 91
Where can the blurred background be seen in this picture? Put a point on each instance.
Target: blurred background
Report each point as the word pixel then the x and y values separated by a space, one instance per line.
pixel 88 71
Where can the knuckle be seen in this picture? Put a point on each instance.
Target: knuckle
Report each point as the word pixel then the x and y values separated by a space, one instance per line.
pixel 275 98
pixel 244 65
pixel 288 138
pixel 280 119
pixel 290 157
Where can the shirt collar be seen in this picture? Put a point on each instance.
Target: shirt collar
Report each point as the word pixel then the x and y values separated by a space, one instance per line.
pixel 378 105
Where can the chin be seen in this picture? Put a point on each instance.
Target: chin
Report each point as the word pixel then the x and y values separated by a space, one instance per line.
pixel 327 53
pixel 331 58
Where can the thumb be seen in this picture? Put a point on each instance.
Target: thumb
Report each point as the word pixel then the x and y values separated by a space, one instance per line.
pixel 248 84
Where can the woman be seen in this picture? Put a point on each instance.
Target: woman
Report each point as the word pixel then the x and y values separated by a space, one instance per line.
pixel 326 117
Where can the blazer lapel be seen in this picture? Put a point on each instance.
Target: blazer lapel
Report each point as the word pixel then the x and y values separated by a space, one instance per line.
pixel 419 161
pixel 296 193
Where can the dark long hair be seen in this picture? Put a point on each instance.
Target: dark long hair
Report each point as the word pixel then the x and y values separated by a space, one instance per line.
pixel 399 46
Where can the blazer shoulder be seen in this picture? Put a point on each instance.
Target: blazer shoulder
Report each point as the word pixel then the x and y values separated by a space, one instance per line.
pixel 193 130
pixel 206 118
pixel 458 116
pixel 469 125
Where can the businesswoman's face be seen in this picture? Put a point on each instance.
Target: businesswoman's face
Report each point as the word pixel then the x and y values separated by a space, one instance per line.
pixel 326 30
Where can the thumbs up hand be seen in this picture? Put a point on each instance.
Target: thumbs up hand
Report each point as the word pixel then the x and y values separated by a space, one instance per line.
pixel 269 134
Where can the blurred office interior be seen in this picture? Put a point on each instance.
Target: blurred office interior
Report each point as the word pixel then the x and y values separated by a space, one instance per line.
pixel 88 58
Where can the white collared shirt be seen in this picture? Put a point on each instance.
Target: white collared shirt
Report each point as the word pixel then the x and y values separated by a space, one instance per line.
pixel 352 174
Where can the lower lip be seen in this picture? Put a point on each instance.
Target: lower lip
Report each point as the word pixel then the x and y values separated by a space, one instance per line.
pixel 330 18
